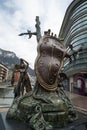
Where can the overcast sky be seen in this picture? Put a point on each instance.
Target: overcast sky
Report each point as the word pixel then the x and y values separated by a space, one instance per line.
pixel 17 16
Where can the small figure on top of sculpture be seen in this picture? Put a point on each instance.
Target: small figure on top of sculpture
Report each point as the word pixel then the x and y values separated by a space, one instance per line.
pixel 38 30
pixel 20 78
pixel 37 33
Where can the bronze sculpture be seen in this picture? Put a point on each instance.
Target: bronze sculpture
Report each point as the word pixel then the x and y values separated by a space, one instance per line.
pixel 47 105
pixel 20 79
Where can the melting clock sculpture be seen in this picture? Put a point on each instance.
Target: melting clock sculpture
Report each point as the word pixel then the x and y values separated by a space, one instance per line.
pixel 47 105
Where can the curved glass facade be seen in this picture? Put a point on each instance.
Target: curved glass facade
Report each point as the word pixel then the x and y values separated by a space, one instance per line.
pixel 76 35
pixel 74 32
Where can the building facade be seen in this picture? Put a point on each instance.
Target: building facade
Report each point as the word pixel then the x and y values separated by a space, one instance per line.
pixel 3 73
pixel 74 32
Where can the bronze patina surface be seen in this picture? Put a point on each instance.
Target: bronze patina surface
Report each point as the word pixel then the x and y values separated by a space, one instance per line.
pixel 49 61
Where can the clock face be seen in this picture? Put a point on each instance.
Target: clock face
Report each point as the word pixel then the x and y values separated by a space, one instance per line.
pixel 48 63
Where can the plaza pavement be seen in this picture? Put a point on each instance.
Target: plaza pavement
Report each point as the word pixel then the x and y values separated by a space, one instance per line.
pixel 79 102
